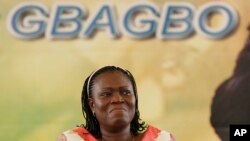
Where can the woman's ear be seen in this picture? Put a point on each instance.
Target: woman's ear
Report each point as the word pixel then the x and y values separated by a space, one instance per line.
pixel 91 104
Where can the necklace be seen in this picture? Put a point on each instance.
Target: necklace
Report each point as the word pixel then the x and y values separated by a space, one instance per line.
pixel 133 138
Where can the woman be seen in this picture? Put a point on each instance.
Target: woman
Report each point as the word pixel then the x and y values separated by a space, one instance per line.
pixel 110 107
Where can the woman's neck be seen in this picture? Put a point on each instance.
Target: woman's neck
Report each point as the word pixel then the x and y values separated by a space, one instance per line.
pixel 123 134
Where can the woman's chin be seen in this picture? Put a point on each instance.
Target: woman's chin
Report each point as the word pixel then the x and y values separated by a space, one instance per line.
pixel 119 122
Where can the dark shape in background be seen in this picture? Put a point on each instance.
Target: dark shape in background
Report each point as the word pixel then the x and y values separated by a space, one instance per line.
pixel 231 102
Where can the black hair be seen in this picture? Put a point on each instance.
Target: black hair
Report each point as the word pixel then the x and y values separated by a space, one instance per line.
pixel 92 124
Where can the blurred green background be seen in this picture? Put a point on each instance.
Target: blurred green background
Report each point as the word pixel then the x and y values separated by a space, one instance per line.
pixel 41 80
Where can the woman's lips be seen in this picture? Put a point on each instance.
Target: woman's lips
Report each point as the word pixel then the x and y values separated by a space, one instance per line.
pixel 117 110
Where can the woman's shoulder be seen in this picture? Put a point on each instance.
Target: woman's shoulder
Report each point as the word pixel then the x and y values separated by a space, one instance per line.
pixel 81 134
pixel 76 134
pixel 153 133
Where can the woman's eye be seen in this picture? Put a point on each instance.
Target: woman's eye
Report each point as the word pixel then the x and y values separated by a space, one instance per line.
pixel 126 92
pixel 106 94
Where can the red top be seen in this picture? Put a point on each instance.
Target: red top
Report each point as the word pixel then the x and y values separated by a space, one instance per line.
pixel 150 134
pixel 81 134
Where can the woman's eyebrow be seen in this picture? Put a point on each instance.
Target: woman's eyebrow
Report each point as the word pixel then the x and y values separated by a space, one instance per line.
pixel 106 88
pixel 124 87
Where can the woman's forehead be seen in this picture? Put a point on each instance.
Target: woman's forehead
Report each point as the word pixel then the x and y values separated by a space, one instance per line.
pixel 112 77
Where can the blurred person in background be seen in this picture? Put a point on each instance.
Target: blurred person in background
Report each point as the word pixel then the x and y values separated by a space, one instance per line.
pixel 230 104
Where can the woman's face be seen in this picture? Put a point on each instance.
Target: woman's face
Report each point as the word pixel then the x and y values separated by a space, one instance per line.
pixel 113 99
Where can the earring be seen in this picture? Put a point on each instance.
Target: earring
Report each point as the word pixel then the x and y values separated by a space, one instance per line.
pixel 94 113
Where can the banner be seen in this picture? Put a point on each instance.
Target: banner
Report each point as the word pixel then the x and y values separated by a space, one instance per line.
pixel 178 51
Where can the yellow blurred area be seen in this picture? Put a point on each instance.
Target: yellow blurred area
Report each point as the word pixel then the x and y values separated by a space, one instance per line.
pixel 41 80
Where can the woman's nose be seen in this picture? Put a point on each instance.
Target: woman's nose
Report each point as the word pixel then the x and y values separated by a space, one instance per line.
pixel 117 98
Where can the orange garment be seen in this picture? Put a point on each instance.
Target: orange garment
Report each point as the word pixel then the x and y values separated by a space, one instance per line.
pixel 81 134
